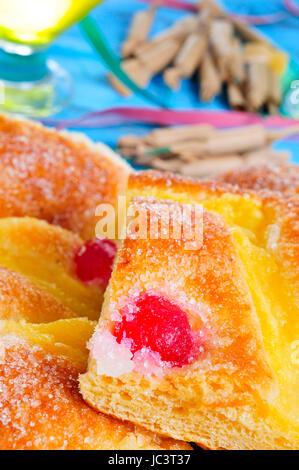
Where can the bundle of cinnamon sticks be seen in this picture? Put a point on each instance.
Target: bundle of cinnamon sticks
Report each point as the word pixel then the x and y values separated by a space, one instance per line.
pixel 212 47
pixel 202 150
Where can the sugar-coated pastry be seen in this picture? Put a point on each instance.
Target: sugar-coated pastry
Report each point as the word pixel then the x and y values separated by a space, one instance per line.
pixel 56 176
pixel 22 299
pixel 40 404
pixel 204 337
pixel 274 177
pixel 42 271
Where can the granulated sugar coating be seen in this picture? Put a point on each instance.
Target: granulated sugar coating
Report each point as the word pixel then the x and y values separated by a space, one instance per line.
pixel 21 299
pixel 55 176
pixel 275 177
pixel 41 407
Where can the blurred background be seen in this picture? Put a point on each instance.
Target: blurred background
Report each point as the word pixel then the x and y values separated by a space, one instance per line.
pixel 92 91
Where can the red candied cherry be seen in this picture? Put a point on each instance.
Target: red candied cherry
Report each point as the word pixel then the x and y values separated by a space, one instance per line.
pixel 156 323
pixel 94 261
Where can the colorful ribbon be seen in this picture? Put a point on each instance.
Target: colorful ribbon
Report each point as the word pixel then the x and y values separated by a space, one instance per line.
pixel 164 117
pixel 291 7
pixel 250 19
pixel 177 4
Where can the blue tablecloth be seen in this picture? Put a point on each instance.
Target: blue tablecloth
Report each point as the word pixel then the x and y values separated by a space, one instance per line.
pixel 92 91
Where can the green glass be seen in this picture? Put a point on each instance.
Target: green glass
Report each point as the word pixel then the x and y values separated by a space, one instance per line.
pixel 30 83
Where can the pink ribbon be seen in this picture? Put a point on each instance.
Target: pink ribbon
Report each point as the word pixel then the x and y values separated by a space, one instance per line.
pixel 291 7
pixel 177 4
pixel 164 117
pixel 251 19
pixel 260 19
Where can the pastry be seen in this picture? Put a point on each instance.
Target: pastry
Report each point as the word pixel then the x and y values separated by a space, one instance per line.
pixel 43 271
pixel 203 339
pixel 274 177
pixel 56 176
pixel 40 404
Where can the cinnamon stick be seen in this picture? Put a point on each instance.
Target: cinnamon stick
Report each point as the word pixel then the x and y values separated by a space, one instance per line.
pixel 226 142
pixel 209 78
pixel 159 55
pixel 174 165
pixel 256 84
pixel 211 166
pixel 190 54
pixel 221 37
pixel 129 141
pixel 201 150
pixel 266 155
pixel 127 145
pixel 236 97
pixel 187 60
pixel 146 65
pixel 139 30
pixel 179 31
pixel 172 77
pixel 236 66
pixel 237 140
pixel 194 147
pixel 171 135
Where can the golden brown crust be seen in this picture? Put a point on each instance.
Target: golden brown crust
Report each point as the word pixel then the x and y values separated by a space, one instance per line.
pixel 274 177
pixel 42 255
pixel 160 183
pixel 41 407
pixel 54 176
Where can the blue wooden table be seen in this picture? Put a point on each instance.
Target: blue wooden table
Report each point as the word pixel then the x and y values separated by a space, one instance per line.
pixel 92 91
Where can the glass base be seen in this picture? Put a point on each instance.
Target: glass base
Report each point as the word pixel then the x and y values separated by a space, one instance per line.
pixel 37 98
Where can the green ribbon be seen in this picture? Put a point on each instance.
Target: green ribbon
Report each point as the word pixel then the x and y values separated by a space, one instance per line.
pixel 158 151
pixel 96 38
